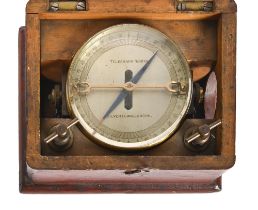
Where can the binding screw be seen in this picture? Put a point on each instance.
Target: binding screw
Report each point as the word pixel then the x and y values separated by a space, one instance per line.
pixel 208 6
pixel 80 6
pixel 54 6
pixel 198 138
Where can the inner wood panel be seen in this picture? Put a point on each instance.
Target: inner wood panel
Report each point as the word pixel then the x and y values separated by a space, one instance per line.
pixel 131 6
pixel 61 39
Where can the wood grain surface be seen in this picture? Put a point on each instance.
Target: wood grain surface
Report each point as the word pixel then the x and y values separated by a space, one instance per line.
pixel 57 36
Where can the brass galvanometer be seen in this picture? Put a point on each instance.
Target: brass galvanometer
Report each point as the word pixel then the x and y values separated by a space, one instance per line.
pixel 129 86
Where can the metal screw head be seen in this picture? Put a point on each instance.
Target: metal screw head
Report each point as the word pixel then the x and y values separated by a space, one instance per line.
pixel 181 7
pixel 64 140
pixel 208 6
pixel 62 131
pixel 81 6
pixel 204 131
pixel 199 144
pixel 54 6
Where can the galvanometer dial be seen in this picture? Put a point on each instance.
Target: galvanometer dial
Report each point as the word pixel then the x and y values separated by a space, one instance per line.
pixel 129 86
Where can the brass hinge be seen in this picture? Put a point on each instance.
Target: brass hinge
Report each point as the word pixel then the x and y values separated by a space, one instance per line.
pixel 195 5
pixel 74 5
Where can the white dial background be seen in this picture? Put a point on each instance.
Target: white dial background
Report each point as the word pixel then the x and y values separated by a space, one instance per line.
pixel 145 110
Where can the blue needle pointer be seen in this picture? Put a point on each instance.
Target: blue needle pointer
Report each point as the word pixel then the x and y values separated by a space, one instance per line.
pixel 124 93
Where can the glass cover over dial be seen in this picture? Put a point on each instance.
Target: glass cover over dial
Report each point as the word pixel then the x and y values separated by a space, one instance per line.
pixel 129 86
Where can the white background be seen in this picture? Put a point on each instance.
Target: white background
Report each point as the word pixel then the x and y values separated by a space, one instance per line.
pixel 239 184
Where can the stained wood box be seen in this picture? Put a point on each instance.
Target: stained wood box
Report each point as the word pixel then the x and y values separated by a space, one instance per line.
pixel 54 37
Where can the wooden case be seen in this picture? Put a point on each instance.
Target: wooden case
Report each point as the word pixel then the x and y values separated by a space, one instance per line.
pixel 56 36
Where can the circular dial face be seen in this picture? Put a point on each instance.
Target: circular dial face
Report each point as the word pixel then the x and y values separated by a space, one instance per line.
pixel 129 86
